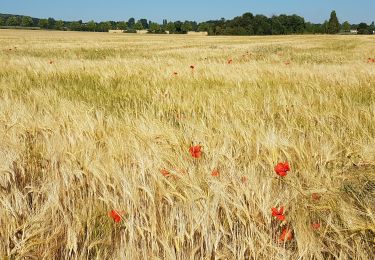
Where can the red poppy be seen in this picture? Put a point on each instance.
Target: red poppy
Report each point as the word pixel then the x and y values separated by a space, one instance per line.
pixel 315 197
pixel 164 172
pixel 195 151
pixel 116 215
pixel 192 67
pixel 244 179
pixel 50 62
pixel 230 61
pixel 281 169
pixel 175 73
pixel 279 214
pixel 287 62
pixel 10 49
pixel 316 226
pixel 286 235
pixel 215 173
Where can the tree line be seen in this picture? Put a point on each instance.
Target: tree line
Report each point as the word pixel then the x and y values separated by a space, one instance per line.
pixel 247 24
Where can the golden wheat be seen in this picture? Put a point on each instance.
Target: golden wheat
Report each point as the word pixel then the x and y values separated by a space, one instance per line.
pixel 88 120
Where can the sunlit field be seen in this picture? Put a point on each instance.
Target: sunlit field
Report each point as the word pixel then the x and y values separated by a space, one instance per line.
pixel 100 136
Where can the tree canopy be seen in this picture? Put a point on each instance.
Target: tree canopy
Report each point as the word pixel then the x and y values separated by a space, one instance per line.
pixel 246 24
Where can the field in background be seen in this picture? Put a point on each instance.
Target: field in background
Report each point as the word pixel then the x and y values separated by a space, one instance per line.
pixel 88 120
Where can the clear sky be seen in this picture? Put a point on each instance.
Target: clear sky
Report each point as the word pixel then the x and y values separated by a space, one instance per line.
pixel 354 11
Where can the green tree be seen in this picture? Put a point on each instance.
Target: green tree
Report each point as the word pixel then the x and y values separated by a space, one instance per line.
pixel 91 26
pixel 13 21
pixel 170 27
pixel 203 27
pixel 1 21
pixel 333 24
pixel 363 28
pixel 51 23
pixel 131 23
pixel 186 27
pixel 324 27
pixel 277 27
pixel 346 26
pixel 75 26
pixel 154 27
pixel 122 25
pixel 59 25
pixel 105 26
pixel 138 26
pixel 144 23
pixel 43 23
pixel 372 28
pixel 27 21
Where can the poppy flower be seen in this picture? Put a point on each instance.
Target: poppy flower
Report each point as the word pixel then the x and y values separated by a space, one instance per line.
pixel 10 49
pixel 116 215
pixel 315 226
pixel 192 67
pixel 287 62
pixel 281 169
pixel 286 235
pixel 195 151
pixel 164 172
pixel 215 173
pixel 315 197
pixel 175 73
pixel 50 62
pixel 279 214
pixel 244 179
pixel 230 61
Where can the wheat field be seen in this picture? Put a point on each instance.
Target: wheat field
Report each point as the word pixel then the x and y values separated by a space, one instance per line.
pixel 95 122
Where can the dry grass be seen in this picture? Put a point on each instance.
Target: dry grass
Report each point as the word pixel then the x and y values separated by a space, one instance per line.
pixel 90 132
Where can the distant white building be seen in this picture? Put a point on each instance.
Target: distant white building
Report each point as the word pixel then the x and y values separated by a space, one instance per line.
pixel 197 33
pixel 142 31
pixel 116 31
pixel 354 31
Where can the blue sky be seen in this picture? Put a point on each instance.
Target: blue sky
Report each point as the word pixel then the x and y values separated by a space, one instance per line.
pixel 199 10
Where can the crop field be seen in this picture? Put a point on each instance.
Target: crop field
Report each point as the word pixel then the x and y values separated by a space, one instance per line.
pixel 119 146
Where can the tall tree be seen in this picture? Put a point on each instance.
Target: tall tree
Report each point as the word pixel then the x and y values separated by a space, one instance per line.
pixel 363 28
pixel 170 27
pixel 59 25
pixel 144 23
pixel 105 26
pixel 372 28
pixel 51 23
pixel 186 26
pixel 91 26
pixel 138 26
pixel 13 21
pixel 122 25
pixel 346 26
pixel 75 26
pixel 131 23
pixel 1 21
pixel 27 21
pixel 154 28
pixel 43 23
pixel 333 24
